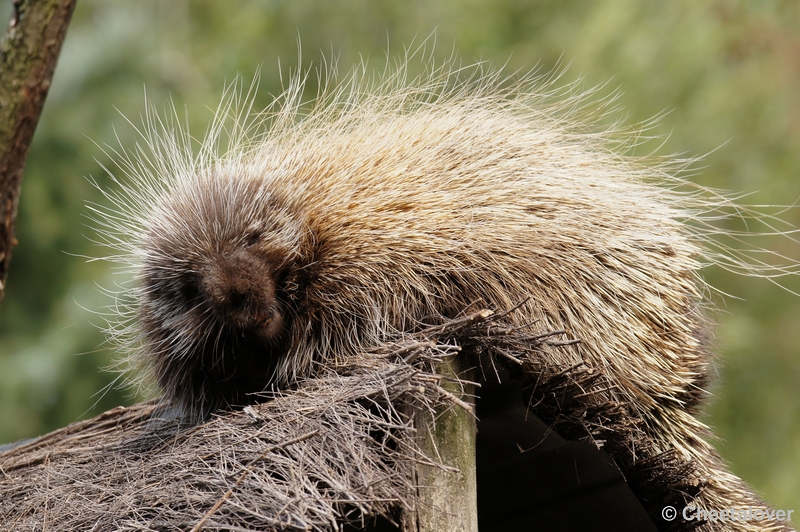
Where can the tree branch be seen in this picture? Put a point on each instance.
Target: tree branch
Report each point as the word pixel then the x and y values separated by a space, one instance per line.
pixel 28 55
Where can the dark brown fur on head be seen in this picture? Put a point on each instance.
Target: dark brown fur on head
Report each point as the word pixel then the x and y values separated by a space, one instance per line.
pixel 214 307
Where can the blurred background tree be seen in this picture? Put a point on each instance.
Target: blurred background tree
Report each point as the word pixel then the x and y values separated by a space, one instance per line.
pixel 727 72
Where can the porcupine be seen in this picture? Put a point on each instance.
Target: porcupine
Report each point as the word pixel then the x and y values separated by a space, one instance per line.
pixel 321 232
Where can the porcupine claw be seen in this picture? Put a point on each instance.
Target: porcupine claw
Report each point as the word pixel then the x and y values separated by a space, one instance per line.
pixel 268 323
pixel 264 320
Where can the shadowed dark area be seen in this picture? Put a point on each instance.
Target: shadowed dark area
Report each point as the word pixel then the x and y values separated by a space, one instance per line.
pixel 530 478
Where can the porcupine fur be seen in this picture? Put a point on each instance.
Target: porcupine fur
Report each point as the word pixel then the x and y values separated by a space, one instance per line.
pixel 297 236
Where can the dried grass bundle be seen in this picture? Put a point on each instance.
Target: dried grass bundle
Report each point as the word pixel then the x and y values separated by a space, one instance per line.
pixel 340 448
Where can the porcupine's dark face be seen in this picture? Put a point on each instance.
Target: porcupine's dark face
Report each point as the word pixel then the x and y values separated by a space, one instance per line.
pixel 214 305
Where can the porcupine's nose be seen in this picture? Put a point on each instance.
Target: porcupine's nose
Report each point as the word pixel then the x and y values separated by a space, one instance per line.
pixel 240 290
pixel 238 298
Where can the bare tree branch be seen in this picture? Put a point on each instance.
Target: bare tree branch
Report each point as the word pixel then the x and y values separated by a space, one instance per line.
pixel 28 55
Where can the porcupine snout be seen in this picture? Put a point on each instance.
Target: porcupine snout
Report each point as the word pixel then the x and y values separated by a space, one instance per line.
pixel 241 292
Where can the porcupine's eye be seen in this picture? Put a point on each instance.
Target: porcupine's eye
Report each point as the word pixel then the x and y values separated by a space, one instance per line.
pixel 253 238
pixel 188 290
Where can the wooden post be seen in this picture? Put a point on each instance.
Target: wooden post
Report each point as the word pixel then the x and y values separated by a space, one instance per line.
pixel 448 497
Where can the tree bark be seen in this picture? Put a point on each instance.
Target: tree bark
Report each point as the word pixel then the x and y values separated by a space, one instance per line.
pixel 28 55
pixel 448 497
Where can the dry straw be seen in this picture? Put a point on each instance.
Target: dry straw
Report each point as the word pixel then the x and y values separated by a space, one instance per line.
pixel 340 448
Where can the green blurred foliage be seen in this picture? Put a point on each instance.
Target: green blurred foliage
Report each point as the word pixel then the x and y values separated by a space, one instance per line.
pixel 727 72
